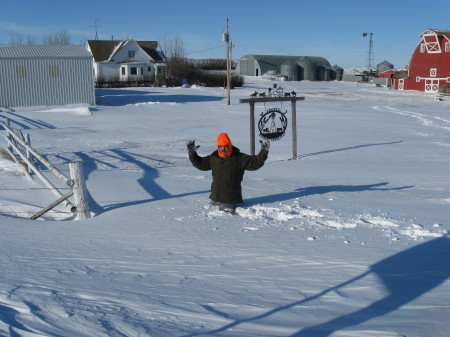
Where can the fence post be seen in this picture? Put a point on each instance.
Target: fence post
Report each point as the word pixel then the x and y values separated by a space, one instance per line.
pixel 28 154
pixel 7 123
pixel 79 190
pixel 252 128
pixel 294 129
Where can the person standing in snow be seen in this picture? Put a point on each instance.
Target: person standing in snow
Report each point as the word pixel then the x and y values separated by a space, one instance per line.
pixel 228 165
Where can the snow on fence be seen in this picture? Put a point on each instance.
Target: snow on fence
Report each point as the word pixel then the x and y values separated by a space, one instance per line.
pixel 19 145
pixel 440 96
pixel 443 93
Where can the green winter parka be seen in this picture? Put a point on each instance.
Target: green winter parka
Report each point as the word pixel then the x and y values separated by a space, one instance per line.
pixel 227 173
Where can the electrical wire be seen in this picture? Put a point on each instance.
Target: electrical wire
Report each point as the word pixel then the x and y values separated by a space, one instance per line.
pixel 200 51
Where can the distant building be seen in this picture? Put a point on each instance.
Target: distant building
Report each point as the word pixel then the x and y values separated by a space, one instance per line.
pixel 126 60
pixel 429 67
pixel 43 75
pixel 384 66
pixel 381 77
pixel 293 68
pixel 388 75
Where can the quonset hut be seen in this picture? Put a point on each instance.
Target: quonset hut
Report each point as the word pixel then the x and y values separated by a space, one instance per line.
pixel 43 75
pixel 294 68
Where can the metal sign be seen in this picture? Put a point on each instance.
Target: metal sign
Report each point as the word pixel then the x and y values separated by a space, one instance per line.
pixel 293 98
pixel 272 124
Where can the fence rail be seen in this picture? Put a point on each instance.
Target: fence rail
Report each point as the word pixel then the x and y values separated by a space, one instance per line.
pixel 440 96
pixel 19 147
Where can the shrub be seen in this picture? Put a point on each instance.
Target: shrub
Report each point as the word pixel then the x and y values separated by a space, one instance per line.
pixel 208 73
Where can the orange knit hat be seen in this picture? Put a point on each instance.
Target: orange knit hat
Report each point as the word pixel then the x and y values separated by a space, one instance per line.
pixel 223 139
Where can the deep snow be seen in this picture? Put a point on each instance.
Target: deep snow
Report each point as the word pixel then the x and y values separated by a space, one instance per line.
pixel 349 240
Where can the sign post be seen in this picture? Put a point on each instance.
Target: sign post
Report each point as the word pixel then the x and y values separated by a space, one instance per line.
pixel 292 99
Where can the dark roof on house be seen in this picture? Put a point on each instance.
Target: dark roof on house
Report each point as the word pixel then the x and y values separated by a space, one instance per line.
pixel 103 49
pixel 151 50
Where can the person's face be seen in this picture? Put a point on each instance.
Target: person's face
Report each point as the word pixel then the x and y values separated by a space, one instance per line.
pixel 223 150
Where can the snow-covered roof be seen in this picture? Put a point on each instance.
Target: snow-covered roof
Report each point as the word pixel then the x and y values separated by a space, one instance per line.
pixel 277 60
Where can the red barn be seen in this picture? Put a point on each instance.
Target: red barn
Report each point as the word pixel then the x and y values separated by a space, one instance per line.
pixel 389 76
pixel 429 67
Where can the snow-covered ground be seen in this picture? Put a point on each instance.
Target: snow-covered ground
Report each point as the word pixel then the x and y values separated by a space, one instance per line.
pixel 349 240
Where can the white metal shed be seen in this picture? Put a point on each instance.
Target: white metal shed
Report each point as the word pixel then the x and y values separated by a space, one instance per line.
pixel 44 75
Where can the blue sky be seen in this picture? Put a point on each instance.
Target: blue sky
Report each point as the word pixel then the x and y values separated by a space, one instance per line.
pixel 332 29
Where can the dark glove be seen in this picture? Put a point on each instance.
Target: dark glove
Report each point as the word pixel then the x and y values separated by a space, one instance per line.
pixel 264 145
pixel 191 147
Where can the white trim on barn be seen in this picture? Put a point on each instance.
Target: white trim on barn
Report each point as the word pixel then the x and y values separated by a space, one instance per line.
pixel 43 75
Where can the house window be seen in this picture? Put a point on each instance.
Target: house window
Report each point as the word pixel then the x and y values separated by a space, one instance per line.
pixel 448 80
pixel 21 72
pixel 447 46
pixel 422 48
pixel 142 70
pixel 131 54
pixel 123 71
pixel 149 69
pixel 53 71
pixel 133 71
pixel 433 72
pixel 417 79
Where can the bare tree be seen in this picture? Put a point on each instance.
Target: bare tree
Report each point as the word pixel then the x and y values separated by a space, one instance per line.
pixel 172 48
pixel 61 38
pixel 176 61
pixel 18 39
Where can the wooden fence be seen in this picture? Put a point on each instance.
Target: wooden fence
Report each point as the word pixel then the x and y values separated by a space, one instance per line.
pixel 443 93
pixel 441 96
pixel 19 149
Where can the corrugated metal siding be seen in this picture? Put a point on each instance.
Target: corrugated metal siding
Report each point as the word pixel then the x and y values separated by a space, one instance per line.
pixel 266 63
pixel 28 80
pixel 38 51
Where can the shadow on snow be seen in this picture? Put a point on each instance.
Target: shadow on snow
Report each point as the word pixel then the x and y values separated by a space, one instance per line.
pixel 405 276
pixel 147 181
pixel 313 190
pixel 118 97
pixel 346 149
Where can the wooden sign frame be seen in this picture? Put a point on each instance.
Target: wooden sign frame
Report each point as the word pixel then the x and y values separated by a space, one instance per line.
pixel 293 101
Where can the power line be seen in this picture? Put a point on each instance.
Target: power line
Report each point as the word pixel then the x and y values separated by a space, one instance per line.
pixel 243 14
pixel 200 51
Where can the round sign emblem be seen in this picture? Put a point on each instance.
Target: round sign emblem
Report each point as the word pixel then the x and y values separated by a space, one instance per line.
pixel 272 124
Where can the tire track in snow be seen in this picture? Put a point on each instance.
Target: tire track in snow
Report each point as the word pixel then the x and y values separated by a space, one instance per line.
pixel 426 120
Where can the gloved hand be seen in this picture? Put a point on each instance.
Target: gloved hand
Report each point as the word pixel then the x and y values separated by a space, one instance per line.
pixel 191 147
pixel 264 145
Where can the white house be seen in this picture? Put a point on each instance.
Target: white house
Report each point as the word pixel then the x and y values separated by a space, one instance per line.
pixel 127 60
pixel 43 75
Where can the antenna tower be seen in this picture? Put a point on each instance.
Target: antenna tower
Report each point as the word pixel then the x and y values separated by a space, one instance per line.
pixel 370 58
pixel 96 26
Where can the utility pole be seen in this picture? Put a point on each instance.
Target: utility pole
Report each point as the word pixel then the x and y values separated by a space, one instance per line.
pixel 226 38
